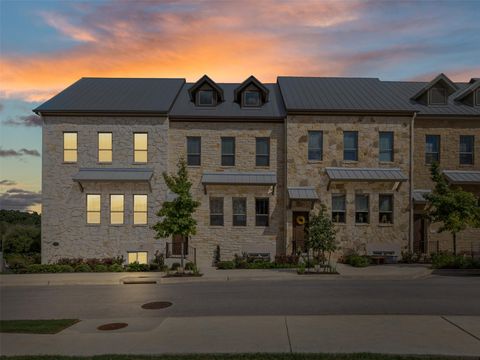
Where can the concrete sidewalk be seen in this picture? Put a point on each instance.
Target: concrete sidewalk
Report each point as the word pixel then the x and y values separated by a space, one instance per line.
pixel 434 335
pixel 383 272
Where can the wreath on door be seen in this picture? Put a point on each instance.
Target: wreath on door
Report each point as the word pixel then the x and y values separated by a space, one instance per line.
pixel 300 220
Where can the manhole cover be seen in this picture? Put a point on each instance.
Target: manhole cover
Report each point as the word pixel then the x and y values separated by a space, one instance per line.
pixel 112 326
pixel 157 305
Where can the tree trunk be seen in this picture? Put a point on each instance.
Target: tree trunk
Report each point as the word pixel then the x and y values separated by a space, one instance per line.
pixel 454 243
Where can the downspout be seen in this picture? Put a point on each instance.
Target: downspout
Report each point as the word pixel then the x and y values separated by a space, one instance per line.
pixel 285 187
pixel 411 233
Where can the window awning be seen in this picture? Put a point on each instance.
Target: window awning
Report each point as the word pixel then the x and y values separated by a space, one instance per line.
pixel 419 196
pixel 366 174
pixel 303 193
pixel 109 174
pixel 239 178
pixel 462 177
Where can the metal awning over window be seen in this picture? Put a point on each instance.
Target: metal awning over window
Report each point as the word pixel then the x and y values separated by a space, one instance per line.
pixel 462 177
pixel 104 174
pixel 366 174
pixel 419 196
pixel 239 178
pixel 302 193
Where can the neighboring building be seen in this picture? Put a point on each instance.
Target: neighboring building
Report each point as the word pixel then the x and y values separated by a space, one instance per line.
pixel 260 157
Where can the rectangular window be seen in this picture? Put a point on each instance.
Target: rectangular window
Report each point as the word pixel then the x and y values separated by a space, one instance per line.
pixel 105 147
pixel 140 211
pixel 239 211
pixel 93 209
pixel 116 209
pixel 432 149
pixel 438 96
pixel 477 96
pixel 140 147
pixel 361 209
pixel 338 208
pixel 262 147
pixel 350 145
pixel 194 150
pixel 386 146
pixel 70 147
pixel 251 98
pixel 385 207
pixel 216 211
pixel 261 212
pixel 315 145
pixel 140 257
pixel 206 97
pixel 228 151
pixel 466 149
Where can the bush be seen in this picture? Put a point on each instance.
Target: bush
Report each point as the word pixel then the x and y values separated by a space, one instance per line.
pixel 175 266
pixel 48 268
pixel 100 268
pixel 240 262
pixel 409 257
pixel 83 268
pixel 225 265
pixel 356 260
pixel 17 262
pixel 115 268
pixel 450 261
pixel 136 267
pixel 65 268
pixel 190 266
pixel 22 239
pixel 159 259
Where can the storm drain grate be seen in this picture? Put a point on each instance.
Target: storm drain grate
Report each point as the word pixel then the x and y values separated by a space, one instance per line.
pixel 156 305
pixel 112 326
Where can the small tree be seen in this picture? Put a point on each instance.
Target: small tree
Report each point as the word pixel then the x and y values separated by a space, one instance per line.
pixel 321 234
pixel 176 216
pixel 455 208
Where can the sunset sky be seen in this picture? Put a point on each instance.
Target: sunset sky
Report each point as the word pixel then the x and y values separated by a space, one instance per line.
pixel 47 45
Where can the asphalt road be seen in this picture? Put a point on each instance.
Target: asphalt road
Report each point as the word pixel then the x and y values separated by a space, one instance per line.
pixel 430 296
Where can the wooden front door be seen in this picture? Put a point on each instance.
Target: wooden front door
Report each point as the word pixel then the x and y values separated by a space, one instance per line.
pixel 177 245
pixel 419 234
pixel 300 221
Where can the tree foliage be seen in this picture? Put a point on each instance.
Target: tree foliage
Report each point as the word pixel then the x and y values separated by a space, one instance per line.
pixel 19 231
pixel 321 234
pixel 176 216
pixel 451 206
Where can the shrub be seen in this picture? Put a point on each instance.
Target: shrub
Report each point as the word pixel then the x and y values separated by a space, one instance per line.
pixel 83 268
pixel 450 261
pixel 301 269
pixel 190 266
pixel 65 268
pixel 115 268
pixel 356 260
pixel 22 239
pixel 48 268
pixel 159 259
pixel 153 267
pixel 136 267
pixel 175 266
pixel 100 268
pixel 216 255
pixel 224 265
pixel 240 262
pixel 409 257
pixel 17 262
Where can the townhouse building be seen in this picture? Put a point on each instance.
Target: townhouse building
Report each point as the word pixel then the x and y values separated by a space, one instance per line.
pixel 260 157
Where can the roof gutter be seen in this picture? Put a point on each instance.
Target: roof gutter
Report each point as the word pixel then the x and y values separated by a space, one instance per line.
pixel 100 113
pixel 350 112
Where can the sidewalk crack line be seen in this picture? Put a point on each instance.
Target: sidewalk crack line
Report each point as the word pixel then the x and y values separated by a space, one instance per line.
pixel 288 335
pixel 459 327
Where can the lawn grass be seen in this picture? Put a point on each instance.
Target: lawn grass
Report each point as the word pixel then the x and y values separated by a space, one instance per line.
pixel 359 356
pixel 35 326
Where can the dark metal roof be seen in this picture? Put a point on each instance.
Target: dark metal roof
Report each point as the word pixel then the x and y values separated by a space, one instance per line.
pixel 318 94
pixel 246 178
pixel 365 174
pixel 462 177
pixel 302 193
pixel 115 95
pixel 419 196
pixel 428 86
pixel 110 174
pixel 184 108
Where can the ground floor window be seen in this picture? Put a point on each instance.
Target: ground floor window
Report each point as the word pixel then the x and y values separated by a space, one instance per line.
pixel 93 209
pixel 216 211
pixel 239 211
pixel 140 257
pixel 116 209
pixel 338 208
pixel 361 209
pixel 140 209
pixel 261 212
pixel 385 206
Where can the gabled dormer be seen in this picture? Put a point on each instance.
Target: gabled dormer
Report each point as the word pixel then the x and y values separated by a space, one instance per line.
pixel 436 92
pixel 471 94
pixel 205 92
pixel 251 93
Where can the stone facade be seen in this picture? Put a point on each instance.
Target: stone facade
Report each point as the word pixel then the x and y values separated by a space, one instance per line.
pixel 303 172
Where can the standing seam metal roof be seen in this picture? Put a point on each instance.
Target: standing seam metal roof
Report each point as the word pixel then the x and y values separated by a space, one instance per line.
pixel 111 174
pixel 365 174
pixel 302 193
pixel 247 178
pixel 462 177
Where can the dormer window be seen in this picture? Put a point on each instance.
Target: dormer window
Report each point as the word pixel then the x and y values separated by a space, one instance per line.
pixel 477 98
pixel 437 96
pixel 251 98
pixel 206 98
pixel 436 92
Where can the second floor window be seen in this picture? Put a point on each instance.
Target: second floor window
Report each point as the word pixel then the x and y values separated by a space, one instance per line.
pixel 216 211
pixel 262 157
pixel 93 209
pixel 206 98
pixel 140 147
pixel 361 209
pixel 386 146
pixel 140 212
pixel 194 150
pixel 315 145
pixel 70 147
pixel 477 96
pixel 251 98
pixel 432 149
pixel 239 211
pixel 228 151
pixel 261 212
pixel 338 208
pixel 466 149
pixel 385 207
pixel 105 147
pixel 116 209
pixel 350 145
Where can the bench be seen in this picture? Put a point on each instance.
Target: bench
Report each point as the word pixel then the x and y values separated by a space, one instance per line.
pixel 381 253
